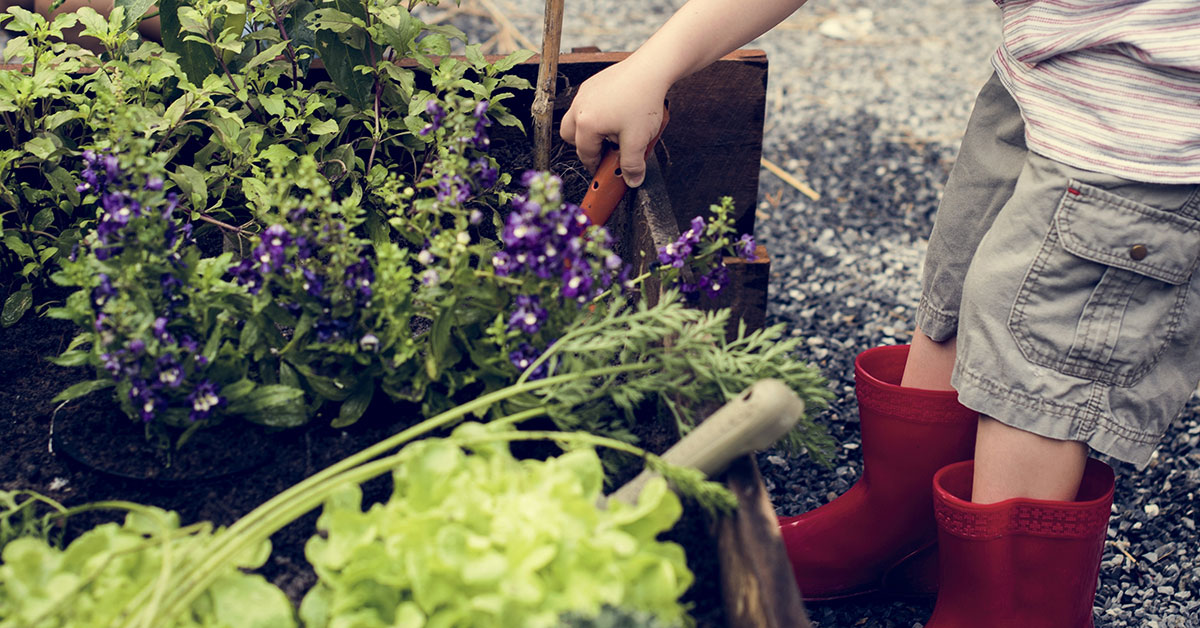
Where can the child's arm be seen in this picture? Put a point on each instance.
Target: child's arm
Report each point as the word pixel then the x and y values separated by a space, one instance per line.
pixel 623 103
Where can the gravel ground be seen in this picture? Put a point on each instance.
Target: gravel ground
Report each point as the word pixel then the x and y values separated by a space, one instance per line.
pixel 866 103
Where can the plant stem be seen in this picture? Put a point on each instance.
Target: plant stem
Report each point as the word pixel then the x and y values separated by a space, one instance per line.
pixel 290 49
pixel 543 100
pixel 223 225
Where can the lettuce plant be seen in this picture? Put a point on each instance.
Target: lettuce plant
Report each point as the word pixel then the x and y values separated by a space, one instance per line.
pixel 478 538
pixel 113 569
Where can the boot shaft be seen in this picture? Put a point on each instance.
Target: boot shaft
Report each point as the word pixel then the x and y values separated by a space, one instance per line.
pixel 1020 562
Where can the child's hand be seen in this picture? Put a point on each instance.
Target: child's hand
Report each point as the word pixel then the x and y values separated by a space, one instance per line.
pixel 622 104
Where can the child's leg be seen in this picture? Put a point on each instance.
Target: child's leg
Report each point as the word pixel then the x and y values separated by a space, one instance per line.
pixel 929 363
pixel 1010 462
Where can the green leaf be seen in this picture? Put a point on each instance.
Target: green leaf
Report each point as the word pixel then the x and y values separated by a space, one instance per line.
pixel 134 10
pixel 341 58
pixel 354 407
pixel 256 192
pixel 278 155
pixel 267 55
pixel 273 104
pixel 191 181
pixel 80 389
pixel 63 183
pixel 43 219
pixel 92 21
pixel 41 147
pixel 439 341
pixel 274 405
pixel 475 57
pixel 511 61
pixel 324 127
pixel 237 390
pixel 196 59
pixel 14 242
pixel 16 305
pixel 328 388
pixel 70 358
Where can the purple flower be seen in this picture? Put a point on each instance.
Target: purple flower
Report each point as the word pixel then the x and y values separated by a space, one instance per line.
pixel 576 284
pixel 503 262
pixel 137 346
pixel 529 315
pixel 524 356
pixel 436 115
pixel 160 329
pixel 103 292
pixel 112 166
pixel 169 372
pixel 487 174
pixel 714 282
pixel 154 184
pixel 146 400
pixel 453 189
pixel 746 246
pixel 112 362
pixel 313 284
pixel 245 273
pixel 359 277
pixel 331 329
pixel 204 399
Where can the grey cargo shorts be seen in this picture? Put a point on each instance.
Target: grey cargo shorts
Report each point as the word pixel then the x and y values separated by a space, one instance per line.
pixel 1074 295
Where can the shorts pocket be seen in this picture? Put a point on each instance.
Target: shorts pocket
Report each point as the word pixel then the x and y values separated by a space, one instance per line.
pixel 1105 294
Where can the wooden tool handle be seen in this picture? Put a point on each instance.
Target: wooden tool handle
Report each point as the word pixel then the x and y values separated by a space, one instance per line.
pixel 754 420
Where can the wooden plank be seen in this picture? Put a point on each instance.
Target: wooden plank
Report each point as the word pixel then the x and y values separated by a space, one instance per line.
pixel 757 581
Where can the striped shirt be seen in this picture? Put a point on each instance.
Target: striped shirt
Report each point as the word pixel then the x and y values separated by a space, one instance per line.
pixel 1111 86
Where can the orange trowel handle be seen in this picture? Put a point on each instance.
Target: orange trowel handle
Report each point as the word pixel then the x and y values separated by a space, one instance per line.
pixel 608 187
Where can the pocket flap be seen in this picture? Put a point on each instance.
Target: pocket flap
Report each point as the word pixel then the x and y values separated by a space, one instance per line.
pixel 1106 228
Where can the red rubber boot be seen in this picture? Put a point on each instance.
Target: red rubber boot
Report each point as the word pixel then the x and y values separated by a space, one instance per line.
pixel 1021 562
pixel 881 533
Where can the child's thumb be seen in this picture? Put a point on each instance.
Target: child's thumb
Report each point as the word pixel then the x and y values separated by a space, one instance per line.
pixel 633 167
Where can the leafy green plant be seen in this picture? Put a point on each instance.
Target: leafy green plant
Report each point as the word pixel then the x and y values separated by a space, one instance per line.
pixel 476 537
pixel 233 92
pixel 28 514
pixel 113 570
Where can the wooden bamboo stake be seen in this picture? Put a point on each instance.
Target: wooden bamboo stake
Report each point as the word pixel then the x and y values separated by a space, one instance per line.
pixel 543 100
pixel 790 180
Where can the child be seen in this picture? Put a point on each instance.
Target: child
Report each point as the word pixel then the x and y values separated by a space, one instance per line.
pixel 1059 306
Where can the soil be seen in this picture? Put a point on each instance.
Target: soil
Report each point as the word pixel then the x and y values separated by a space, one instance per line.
pixel 96 454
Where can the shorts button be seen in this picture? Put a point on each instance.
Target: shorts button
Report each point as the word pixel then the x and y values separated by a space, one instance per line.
pixel 1138 252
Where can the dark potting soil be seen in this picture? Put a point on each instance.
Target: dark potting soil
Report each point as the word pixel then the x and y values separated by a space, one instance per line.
pixel 97 453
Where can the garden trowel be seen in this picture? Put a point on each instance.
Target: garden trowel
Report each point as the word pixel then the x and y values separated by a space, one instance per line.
pixel 608 187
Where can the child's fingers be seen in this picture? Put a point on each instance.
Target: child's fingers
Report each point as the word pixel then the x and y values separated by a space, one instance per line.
pixel 580 129
pixel 633 161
